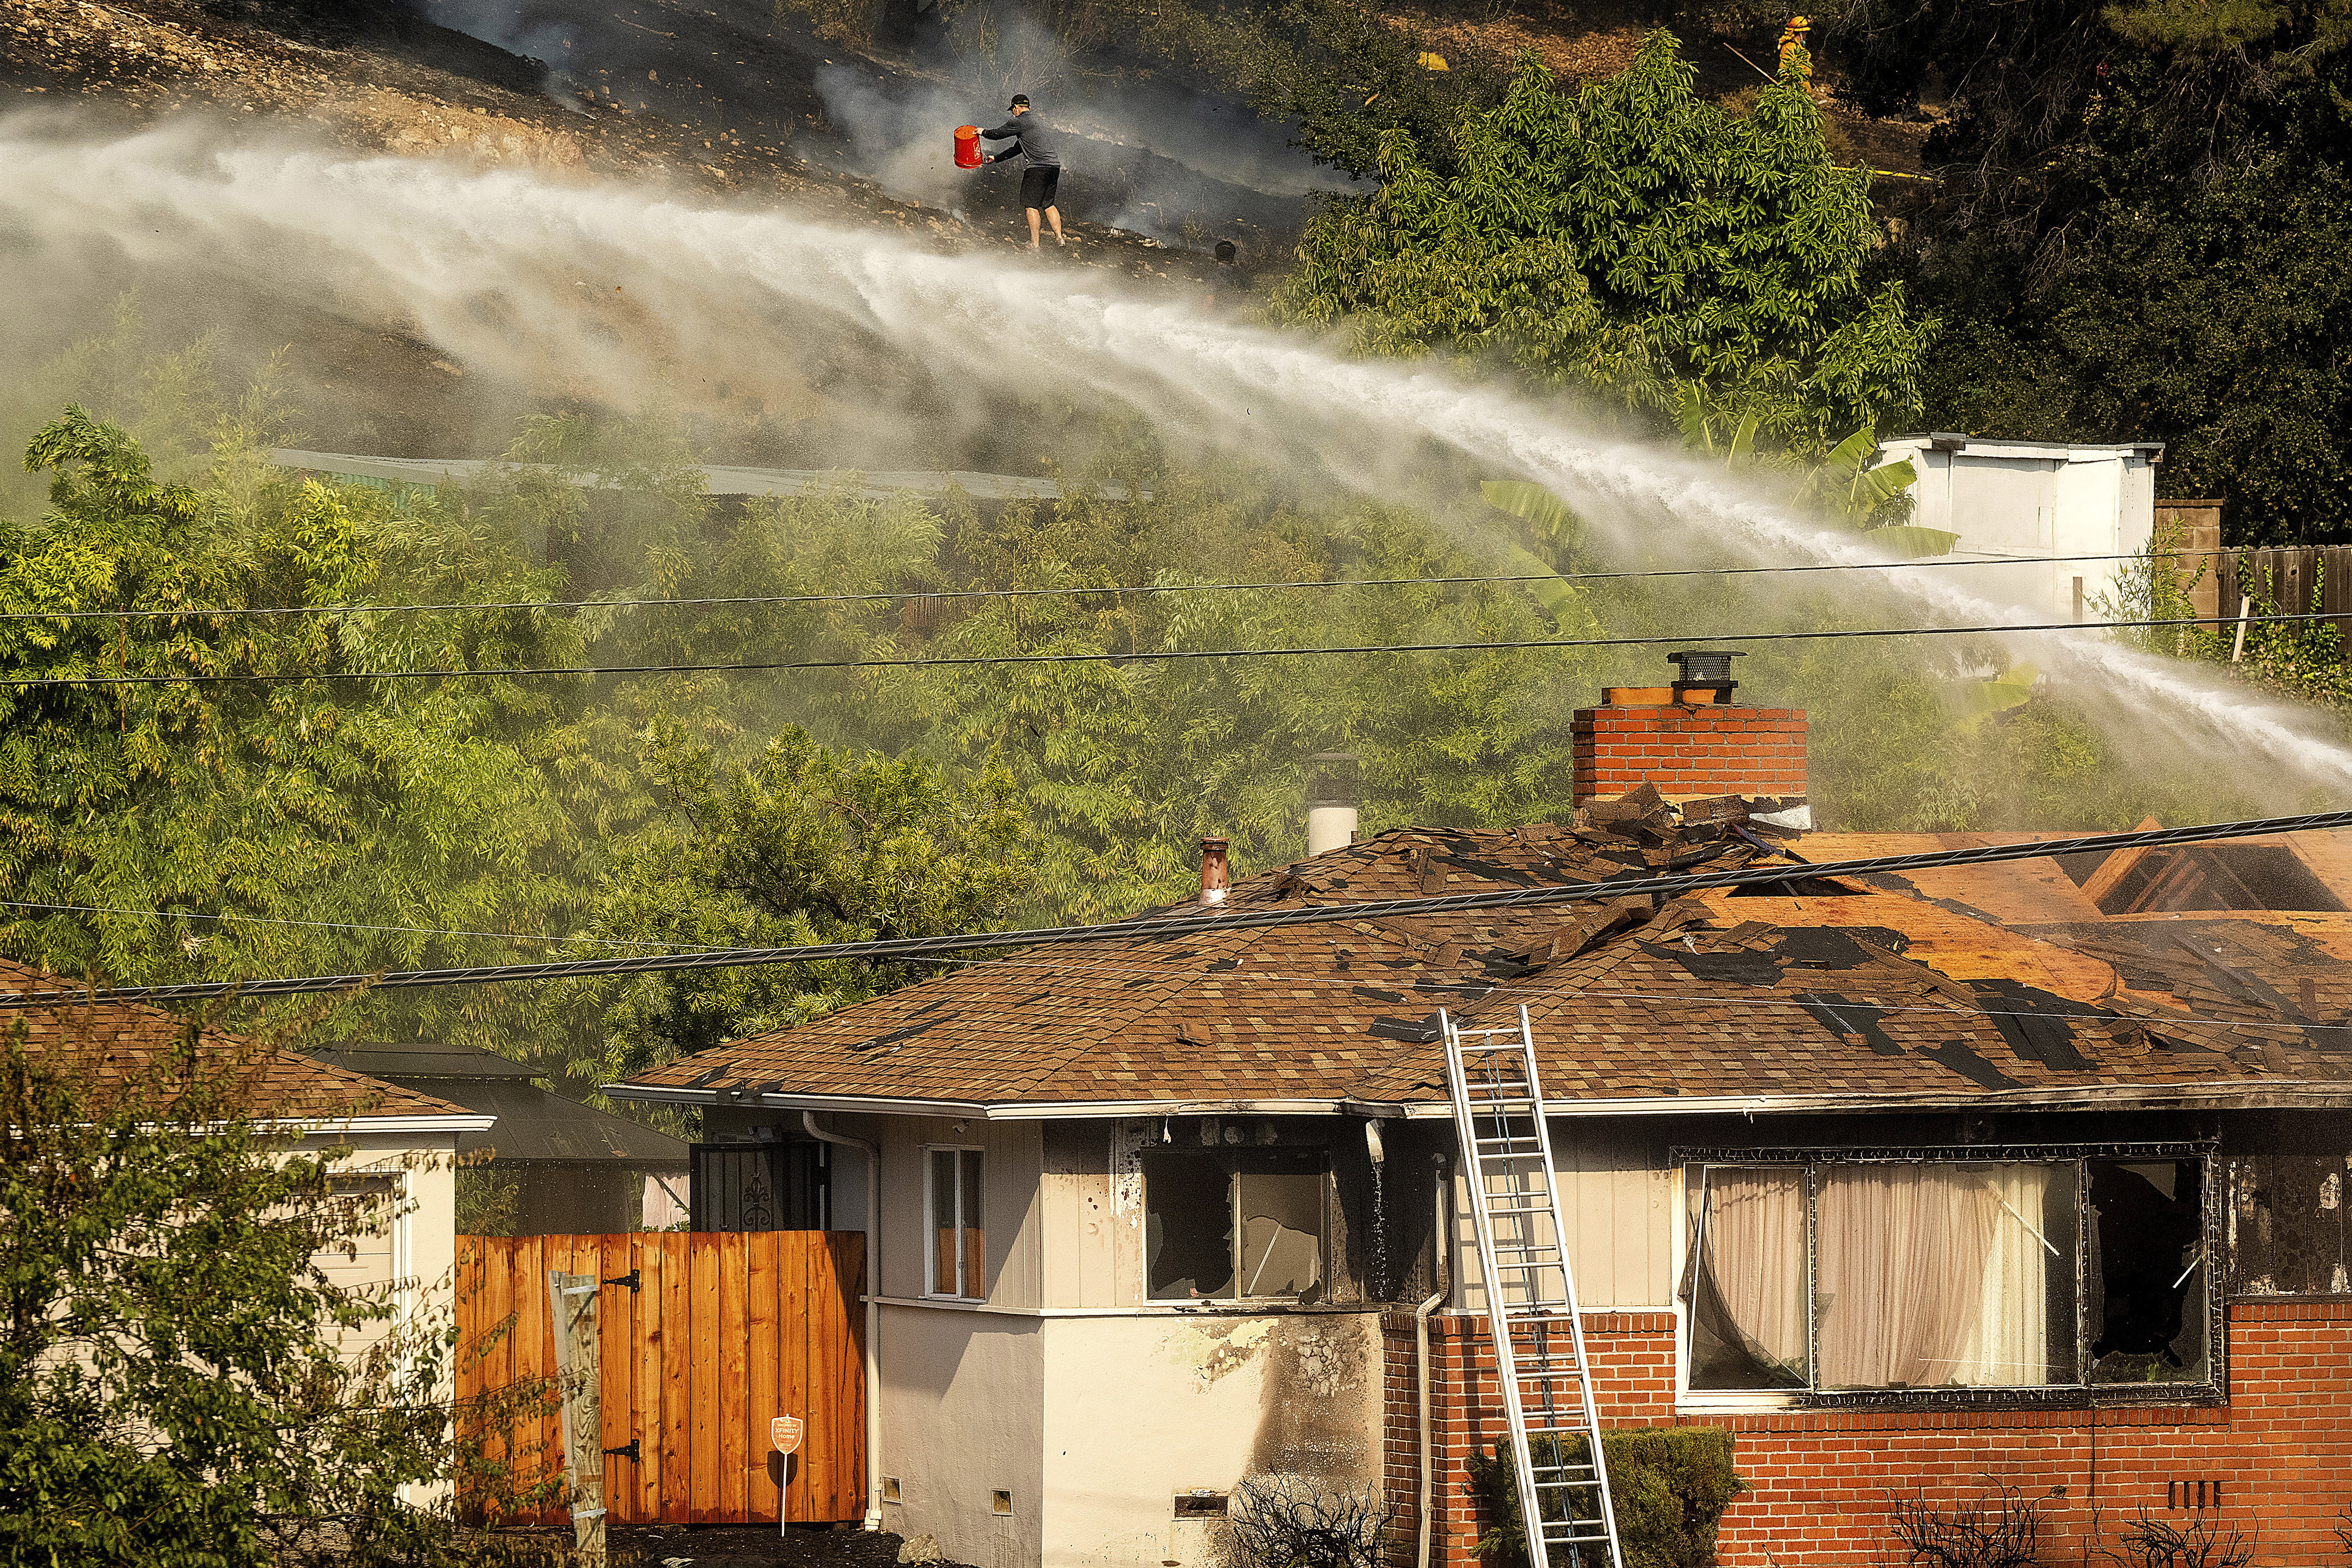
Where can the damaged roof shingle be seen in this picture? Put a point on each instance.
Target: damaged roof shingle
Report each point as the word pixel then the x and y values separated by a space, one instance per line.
pixel 1876 997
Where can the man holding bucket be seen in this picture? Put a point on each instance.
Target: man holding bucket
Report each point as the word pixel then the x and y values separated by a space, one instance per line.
pixel 1039 145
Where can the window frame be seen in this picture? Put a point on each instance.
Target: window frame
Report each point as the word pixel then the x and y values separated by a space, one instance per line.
pixel 2213 1390
pixel 1318 1163
pixel 932 1289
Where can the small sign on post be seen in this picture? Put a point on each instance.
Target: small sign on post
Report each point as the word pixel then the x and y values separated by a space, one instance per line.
pixel 571 1299
pixel 784 1432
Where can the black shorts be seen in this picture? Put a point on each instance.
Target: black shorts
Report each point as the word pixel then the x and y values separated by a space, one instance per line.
pixel 1038 184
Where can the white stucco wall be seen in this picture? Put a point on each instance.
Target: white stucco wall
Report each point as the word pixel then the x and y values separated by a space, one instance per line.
pixel 417 1258
pixel 1095 1423
pixel 2034 499
pixel 962 1419
pixel 1141 1408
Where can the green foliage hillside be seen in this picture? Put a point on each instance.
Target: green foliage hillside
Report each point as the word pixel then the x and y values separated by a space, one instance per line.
pixel 1631 239
pixel 2138 230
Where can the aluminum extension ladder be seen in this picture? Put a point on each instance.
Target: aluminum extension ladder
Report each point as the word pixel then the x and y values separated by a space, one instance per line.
pixel 1538 1338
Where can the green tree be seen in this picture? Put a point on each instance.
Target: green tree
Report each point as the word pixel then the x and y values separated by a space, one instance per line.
pixel 2137 232
pixel 804 845
pixel 178 1381
pixel 1631 238
pixel 255 809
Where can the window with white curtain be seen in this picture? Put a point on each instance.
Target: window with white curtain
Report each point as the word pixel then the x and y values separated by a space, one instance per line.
pixel 1859 1276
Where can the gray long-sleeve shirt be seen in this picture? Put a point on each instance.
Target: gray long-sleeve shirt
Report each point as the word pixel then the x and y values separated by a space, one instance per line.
pixel 1032 138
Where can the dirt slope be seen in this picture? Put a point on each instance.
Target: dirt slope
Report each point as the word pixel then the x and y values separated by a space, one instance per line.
pixel 375 75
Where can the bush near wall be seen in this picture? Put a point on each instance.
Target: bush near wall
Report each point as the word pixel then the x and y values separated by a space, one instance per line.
pixel 1670 1485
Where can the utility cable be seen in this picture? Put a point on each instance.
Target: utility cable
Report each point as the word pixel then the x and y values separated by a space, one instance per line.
pixel 1160 924
pixel 241 919
pixel 1164 656
pixel 929 596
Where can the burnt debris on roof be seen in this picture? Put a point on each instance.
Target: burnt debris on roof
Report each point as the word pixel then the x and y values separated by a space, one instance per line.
pixel 1880 997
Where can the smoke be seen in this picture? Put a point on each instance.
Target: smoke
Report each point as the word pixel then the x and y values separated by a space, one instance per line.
pixel 1140 155
pixel 555 284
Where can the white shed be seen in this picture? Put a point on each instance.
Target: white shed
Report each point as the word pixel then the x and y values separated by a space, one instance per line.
pixel 2038 502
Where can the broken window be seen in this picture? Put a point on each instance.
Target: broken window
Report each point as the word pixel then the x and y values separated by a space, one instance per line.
pixel 1233 1224
pixel 1749 1328
pixel 1890 1275
pixel 2147 1312
pixel 959 1259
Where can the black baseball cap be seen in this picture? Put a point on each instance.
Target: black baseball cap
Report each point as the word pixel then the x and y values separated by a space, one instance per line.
pixel 1020 100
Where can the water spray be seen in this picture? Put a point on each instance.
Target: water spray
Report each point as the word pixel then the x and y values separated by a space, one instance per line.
pixel 492 266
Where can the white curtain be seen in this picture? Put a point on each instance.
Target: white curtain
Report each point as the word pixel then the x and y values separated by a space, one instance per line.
pixel 1752 1283
pixel 2008 1345
pixel 1933 1276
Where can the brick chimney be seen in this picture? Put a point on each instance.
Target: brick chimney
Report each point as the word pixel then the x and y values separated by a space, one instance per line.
pixel 1216 881
pixel 1690 738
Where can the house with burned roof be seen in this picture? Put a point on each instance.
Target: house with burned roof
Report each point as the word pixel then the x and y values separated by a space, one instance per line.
pixel 2026 1176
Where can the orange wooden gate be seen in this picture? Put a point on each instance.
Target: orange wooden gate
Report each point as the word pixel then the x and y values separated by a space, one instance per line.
pixel 722 1333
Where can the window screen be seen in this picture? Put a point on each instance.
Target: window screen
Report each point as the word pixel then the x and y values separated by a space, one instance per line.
pixel 1233 1224
pixel 1749 1327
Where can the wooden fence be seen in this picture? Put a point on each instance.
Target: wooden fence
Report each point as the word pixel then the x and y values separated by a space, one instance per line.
pixel 721 1334
pixel 2291 582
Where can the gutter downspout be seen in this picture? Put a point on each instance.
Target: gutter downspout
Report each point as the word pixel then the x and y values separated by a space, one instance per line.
pixel 872 1310
pixel 1441 1237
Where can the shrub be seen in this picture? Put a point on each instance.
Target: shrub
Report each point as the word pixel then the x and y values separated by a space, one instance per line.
pixel 1670 1486
pixel 1288 1521
pixel 2158 1543
pixel 1999 1531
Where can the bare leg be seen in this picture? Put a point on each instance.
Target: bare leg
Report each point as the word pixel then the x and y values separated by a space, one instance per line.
pixel 1053 215
pixel 1033 227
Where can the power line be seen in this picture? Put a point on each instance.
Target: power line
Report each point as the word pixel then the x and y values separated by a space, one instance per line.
pixel 925 595
pixel 1164 655
pixel 1059 967
pixel 1166 925
pixel 237 918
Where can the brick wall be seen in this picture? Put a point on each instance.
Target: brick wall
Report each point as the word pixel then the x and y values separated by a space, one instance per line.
pixel 1696 751
pixel 2281 1451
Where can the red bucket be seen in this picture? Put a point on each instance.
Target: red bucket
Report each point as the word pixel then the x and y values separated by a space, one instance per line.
pixel 968 147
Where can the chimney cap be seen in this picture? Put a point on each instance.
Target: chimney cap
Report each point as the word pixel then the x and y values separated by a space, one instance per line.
pixel 1705 666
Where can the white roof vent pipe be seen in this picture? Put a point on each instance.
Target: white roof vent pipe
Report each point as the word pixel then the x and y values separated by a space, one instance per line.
pixel 1331 799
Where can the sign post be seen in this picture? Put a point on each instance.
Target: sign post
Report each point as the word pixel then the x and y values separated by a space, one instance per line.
pixel 572 1298
pixel 784 1432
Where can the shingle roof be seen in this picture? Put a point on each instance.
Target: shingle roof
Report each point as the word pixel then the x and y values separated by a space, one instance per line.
pixel 1882 996
pixel 123 1040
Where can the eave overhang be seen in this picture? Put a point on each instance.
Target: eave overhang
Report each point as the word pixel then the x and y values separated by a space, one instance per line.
pixel 2229 1096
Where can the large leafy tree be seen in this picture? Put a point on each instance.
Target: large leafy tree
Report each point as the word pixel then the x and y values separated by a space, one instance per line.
pixel 2138 233
pixel 179 1382
pixel 1631 238
pixel 193 782
pixel 801 845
